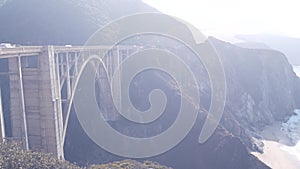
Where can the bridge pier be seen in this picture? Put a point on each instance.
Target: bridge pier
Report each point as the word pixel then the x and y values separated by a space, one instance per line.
pixel 35 106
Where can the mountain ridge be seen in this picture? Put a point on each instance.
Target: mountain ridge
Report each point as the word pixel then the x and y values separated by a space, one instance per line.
pixel 288 45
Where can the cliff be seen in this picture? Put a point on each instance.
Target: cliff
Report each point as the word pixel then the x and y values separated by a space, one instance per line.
pixel 262 86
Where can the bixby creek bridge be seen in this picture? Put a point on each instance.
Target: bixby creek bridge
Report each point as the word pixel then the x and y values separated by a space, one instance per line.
pixel 40 83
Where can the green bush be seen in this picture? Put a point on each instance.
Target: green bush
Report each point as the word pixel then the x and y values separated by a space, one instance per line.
pixel 129 164
pixel 12 156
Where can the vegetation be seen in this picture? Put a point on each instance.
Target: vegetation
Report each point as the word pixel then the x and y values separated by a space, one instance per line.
pixel 129 164
pixel 12 156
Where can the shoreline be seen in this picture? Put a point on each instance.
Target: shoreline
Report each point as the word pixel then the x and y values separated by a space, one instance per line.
pixel 276 157
pixel 279 150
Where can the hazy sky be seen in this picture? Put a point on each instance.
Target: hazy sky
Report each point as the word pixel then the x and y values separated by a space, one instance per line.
pixel 229 17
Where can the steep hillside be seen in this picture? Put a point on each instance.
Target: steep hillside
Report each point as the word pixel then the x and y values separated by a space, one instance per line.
pixel 60 22
pixel 262 88
pixel 264 79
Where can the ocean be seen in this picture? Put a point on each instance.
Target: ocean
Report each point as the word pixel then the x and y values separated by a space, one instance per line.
pixel 292 129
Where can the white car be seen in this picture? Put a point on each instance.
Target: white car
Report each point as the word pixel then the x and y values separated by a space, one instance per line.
pixel 7 45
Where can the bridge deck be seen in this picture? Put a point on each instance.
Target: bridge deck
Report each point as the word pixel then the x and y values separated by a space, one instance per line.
pixel 20 51
pixel 36 50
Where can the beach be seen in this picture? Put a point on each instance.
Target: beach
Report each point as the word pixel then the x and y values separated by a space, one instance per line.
pixel 281 144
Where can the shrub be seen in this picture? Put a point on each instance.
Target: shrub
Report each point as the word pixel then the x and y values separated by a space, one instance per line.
pixel 13 156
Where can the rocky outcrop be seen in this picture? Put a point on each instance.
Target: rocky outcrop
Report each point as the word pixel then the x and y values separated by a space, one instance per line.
pixel 262 86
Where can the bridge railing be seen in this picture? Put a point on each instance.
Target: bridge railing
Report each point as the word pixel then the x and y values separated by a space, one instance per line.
pixel 20 50
pixel 31 50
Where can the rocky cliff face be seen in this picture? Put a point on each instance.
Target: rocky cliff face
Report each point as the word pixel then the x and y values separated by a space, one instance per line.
pixel 262 86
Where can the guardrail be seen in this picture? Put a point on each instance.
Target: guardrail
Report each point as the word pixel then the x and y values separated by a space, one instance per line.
pixel 35 50
pixel 23 50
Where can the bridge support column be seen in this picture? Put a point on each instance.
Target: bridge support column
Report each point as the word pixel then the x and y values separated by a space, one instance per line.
pixel 36 113
pixel 17 106
pixel 2 126
pixel 51 111
pixel 23 104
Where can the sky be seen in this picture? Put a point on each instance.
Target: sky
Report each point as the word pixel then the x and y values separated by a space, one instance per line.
pixel 230 17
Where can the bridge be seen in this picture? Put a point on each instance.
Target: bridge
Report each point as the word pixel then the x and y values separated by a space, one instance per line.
pixel 40 84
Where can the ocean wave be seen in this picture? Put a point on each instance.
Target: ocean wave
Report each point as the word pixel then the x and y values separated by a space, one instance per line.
pixel 292 127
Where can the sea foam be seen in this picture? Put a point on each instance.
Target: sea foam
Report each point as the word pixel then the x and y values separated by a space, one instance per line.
pixel 292 129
